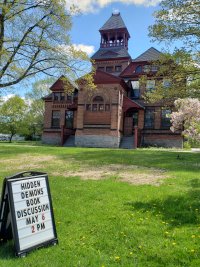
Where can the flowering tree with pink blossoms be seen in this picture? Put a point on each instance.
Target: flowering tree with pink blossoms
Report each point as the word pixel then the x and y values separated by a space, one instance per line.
pixel 187 118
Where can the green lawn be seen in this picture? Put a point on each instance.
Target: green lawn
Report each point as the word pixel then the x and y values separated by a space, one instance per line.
pixel 138 208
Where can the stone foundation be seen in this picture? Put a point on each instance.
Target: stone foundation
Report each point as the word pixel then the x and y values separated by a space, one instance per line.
pixel 51 138
pixel 168 141
pixel 97 141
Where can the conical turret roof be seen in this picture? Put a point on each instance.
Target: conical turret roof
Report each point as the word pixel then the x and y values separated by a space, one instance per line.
pixel 113 23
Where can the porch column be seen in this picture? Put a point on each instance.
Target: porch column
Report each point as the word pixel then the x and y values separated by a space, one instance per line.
pixel 136 136
pixel 62 134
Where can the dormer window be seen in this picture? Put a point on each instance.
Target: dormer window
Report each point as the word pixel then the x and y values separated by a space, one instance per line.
pixel 109 69
pixel 118 68
pixel 101 68
pixel 62 96
pixel 138 69
pixel 56 96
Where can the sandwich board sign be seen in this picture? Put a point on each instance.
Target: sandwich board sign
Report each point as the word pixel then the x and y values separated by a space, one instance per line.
pixel 26 212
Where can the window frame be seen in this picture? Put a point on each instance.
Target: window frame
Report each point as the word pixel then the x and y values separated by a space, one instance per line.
pixel 118 67
pixel 148 88
pixel 109 67
pixel 53 124
pixel 66 121
pixel 150 120
pixel 165 122
pixel 97 105
pixel 139 69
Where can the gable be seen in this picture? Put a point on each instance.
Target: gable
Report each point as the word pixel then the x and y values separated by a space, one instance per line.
pixel 109 53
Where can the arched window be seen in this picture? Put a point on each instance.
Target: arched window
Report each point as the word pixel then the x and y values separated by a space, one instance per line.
pixel 98 104
pixel 98 99
pixel 138 69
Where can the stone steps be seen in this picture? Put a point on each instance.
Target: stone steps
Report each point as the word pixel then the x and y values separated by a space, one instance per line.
pixel 70 142
pixel 127 142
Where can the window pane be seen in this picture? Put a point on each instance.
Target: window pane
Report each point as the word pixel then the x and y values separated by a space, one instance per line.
pixel 150 85
pixel 69 97
pixel 101 107
pixel 118 68
pixel 138 69
pixel 147 68
pixel 135 84
pixel 62 96
pixel 166 83
pixel 101 68
pixel 98 99
pixel 109 69
pixel 94 107
pixel 69 118
pixel 165 118
pixel 56 118
pixel 154 68
pixel 149 118
pixel 88 107
pixel 56 96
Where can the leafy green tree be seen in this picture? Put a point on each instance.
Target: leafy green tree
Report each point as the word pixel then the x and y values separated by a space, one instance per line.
pixel 35 117
pixel 178 77
pixel 12 115
pixel 177 20
pixel 34 40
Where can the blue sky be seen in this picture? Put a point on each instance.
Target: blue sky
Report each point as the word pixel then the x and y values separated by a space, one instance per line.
pixel 137 15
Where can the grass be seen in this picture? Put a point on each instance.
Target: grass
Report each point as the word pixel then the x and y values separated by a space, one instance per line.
pixel 107 221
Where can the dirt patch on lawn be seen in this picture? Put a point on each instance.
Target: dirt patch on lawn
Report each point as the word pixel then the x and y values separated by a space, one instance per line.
pixel 128 173
pixel 71 168
pixel 26 162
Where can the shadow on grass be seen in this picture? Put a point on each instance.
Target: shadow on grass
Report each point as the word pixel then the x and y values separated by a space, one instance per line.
pixel 175 210
pixel 7 250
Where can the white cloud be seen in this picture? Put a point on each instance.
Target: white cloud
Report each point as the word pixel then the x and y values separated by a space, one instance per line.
pixel 87 6
pixel 88 49
pixel 6 97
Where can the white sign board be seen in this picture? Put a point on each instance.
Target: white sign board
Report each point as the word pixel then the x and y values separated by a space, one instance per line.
pixel 31 210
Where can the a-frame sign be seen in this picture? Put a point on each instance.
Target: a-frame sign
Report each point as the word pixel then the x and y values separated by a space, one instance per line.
pixel 26 212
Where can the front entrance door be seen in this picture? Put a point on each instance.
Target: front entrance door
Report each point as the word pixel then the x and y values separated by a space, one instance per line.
pixel 130 120
pixel 69 119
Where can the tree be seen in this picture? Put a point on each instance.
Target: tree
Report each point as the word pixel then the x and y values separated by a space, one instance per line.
pixel 177 77
pixel 177 20
pixel 34 39
pixel 187 118
pixel 12 114
pixel 35 117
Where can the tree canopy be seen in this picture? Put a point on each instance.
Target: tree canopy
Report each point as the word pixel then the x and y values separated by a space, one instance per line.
pixel 178 20
pixel 34 39
pixel 187 118
pixel 12 114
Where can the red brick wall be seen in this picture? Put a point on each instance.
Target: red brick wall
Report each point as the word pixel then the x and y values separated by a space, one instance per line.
pixel 101 117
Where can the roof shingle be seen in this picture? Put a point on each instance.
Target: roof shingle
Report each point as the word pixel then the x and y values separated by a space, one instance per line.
pixel 114 52
pixel 114 22
pixel 150 55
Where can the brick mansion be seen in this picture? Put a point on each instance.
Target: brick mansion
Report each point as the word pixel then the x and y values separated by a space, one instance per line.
pixel 115 114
